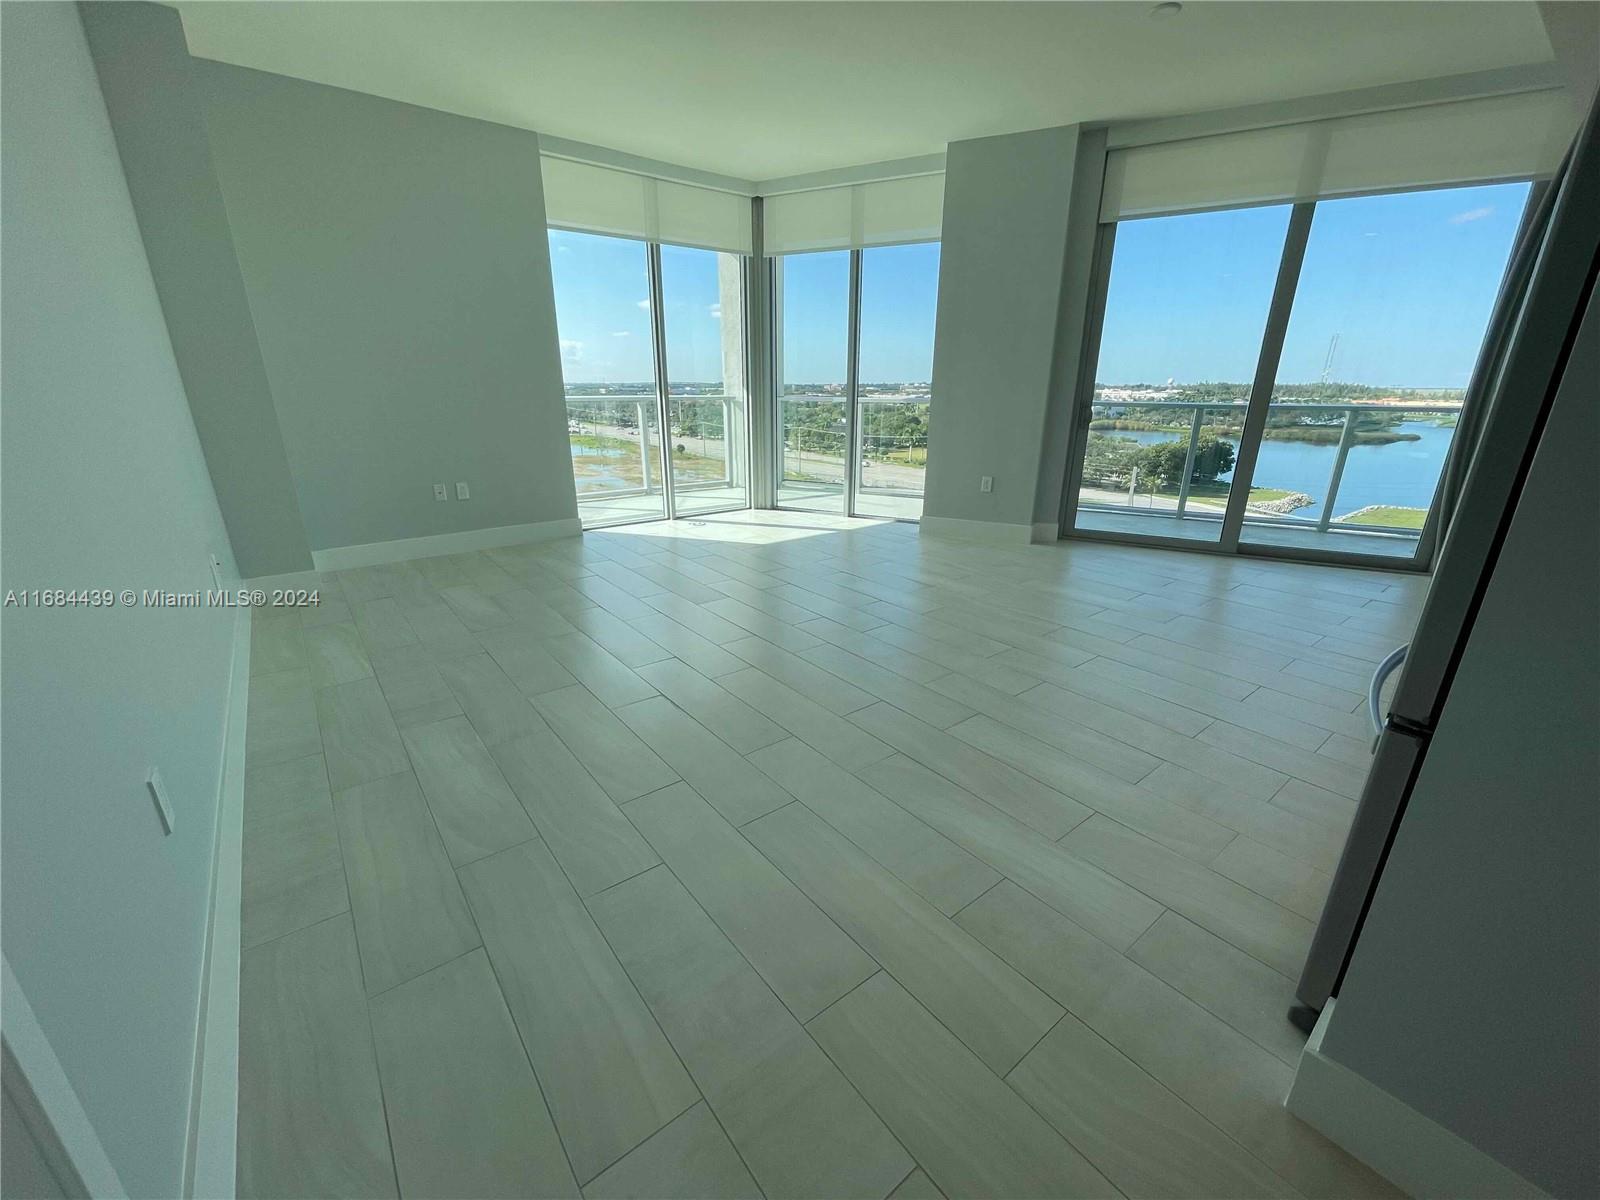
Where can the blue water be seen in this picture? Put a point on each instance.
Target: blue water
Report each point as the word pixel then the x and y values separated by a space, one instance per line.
pixel 1404 474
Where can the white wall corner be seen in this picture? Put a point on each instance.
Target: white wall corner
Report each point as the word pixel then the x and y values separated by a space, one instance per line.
pixel 993 532
pixel 38 1085
pixel 209 1167
pixel 371 554
pixel 1046 533
pixel 1409 1149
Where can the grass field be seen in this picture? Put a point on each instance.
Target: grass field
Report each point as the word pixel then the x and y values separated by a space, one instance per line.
pixel 1394 518
pixel 611 459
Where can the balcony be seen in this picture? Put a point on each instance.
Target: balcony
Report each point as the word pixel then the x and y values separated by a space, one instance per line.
pixel 617 454
pixel 894 454
pixel 1346 478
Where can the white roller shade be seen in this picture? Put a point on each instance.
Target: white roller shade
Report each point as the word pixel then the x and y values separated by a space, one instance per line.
pixel 1466 141
pixel 887 212
pixel 593 199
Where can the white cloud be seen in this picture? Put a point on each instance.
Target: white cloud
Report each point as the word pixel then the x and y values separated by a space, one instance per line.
pixel 621 333
pixel 571 351
pixel 715 310
pixel 1472 214
pixel 644 304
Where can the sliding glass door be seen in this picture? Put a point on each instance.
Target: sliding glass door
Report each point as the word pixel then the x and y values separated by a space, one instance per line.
pixel 1288 378
pixel 853 360
pixel 811 324
pixel 653 359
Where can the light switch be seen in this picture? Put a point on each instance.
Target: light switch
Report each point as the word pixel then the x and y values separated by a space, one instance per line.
pixel 462 493
pixel 440 492
pixel 986 484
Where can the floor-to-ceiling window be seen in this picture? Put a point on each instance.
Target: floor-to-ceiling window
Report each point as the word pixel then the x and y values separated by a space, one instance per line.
pixel 812 323
pixel 854 286
pixel 653 338
pixel 1389 312
pixel 603 313
pixel 703 324
pixel 894 390
pixel 1289 377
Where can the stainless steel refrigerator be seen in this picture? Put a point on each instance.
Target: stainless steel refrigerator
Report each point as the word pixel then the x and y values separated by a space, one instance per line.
pixel 1527 351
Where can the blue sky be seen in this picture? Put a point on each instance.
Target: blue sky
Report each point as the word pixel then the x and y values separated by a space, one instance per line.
pixel 602 307
pixel 1406 281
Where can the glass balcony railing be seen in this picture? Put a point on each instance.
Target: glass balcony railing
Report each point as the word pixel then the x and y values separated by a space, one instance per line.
pixel 1324 471
pixel 618 452
pixel 893 442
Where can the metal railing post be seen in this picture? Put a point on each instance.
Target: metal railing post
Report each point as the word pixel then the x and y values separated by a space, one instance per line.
pixel 1346 436
pixel 1188 461
pixel 644 445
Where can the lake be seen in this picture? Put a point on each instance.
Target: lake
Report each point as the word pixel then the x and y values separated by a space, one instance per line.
pixel 1403 474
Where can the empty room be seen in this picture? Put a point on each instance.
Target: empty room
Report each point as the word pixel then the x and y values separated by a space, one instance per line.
pixel 800 600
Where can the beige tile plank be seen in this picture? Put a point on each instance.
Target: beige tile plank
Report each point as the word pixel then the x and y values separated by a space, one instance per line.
pixel 620 763
pixel 489 699
pixel 607 1070
pixel 1223 1075
pixel 359 736
pixel 798 1124
pixel 992 1009
pixel 281 724
pixel 841 740
pixel 311 1119
pixel 736 723
pixel 476 812
pixel 1260 928
pixel 1248 995
pixel 805 958
pixel 466 1116
pixel 689 1159
pixel 1093 897
pixel 933 866
pixel 594 843
pixel 721 776
pixel 1145 1139
pixel 975 1136
pixel 292 874
pixel 1175 827
pixel 1020 795
pixel 409 912
pixel 335 654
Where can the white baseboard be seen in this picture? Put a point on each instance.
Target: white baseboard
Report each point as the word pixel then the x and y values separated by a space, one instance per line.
pixel 992 532
pixel 38 1085
pixel 293 579
pixel 340 558
pixel 1411 1150
pixel 209 1155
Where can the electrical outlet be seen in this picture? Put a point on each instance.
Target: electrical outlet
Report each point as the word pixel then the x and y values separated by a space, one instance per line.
pixel 986 483
pixel 440 492
pixel 158 793
pixel 462 493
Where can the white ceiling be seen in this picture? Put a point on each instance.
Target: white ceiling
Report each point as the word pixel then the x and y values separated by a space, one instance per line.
pixel 761 90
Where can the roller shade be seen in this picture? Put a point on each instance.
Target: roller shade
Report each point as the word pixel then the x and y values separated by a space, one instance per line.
pixel 1486 140
pixel 591 199
pixel 883 213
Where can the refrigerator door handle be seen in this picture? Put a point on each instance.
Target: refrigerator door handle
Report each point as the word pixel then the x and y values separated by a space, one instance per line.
pixel 1387 667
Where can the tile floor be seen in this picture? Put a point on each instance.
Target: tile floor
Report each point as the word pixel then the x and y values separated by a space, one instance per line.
pixel 775 854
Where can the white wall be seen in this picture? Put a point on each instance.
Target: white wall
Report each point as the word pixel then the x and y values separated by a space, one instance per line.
pixel 397 265
pixel 144 69
pixel 104 485
pixel 1003 249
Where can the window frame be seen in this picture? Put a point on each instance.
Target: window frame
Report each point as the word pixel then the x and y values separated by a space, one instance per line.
pixel 1274 331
